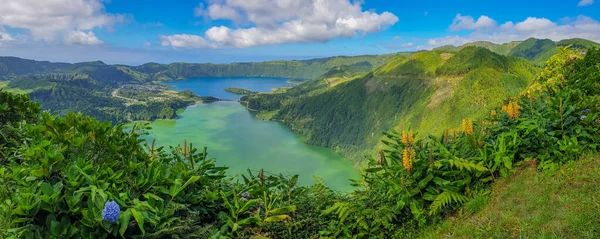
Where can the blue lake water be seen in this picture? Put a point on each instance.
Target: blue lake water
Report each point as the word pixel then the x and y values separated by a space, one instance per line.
pixel 240 141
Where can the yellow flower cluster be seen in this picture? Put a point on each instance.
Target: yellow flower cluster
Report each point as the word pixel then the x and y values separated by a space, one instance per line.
pixel 408 157
pixel 407 138
pixel 493 113
pixel 512 109
pixel 467 126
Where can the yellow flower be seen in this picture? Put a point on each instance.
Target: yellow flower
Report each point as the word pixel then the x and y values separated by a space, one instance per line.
pixel 408 157
pixel 512 109
pixel 467 126
pixel 407 138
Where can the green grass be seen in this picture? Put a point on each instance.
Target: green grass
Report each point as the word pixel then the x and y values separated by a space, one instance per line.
pixel 533 204
pixel 4 87
pixel 267 115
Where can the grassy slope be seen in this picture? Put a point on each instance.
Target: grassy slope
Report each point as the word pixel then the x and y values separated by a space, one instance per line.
pixel 4 87
pixel 530 204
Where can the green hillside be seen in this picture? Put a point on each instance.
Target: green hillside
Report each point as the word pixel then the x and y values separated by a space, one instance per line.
pixel 578 43
pixel 351 117
pixel 302 69
pixel 502 49
pixel 536 50
pixel 532 204
pixel 307 69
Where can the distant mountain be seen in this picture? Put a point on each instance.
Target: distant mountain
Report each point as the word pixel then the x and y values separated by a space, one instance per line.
pixel 578 43
pixel 536 50
pixel 429 91
pixel 501 49
pixel 305 69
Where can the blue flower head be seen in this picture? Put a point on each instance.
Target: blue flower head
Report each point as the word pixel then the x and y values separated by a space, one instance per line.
pixel 111 212
pixel 586 111
pixel 583 117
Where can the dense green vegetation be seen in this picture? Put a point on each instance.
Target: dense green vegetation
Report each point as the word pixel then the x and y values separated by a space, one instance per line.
pixel 535 50
pixel 351 116
pixel 74 177
pixel 306 69
pixel 502 49
pixel 239 91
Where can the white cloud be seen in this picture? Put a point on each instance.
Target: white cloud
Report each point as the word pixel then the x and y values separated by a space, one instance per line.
pixel 585 3
pixel 4 36
pixel 542 28
pixel 284 21
pixel 147 44
pixel 532 24
pixel 57 19
pixel 461 22
pixel 82 38
pixel 396 38
pixel 184 41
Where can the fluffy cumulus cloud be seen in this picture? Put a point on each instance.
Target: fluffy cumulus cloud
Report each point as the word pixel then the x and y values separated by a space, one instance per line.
pixel 184 41
pixel 585 3
pixel 487 29
pixel 82 38
pixel 272 22
pixel 461 22
pixel 70 21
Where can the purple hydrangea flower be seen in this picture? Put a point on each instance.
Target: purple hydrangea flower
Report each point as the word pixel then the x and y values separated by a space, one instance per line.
pixel 583 117
pixel 111 212
pixel 586 111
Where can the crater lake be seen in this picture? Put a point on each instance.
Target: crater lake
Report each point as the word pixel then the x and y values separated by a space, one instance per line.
pixel 240 141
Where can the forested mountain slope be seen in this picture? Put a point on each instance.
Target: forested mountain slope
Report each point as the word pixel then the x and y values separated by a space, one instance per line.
pixel 306 69
pixel 502 49
pixel 429 90
pixel 302 69
pixel 536 50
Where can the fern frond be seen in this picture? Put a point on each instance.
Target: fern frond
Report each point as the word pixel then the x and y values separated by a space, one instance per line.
pixel 445 198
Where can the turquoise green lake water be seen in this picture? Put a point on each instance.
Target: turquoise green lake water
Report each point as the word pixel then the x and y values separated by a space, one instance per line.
pixel 240 141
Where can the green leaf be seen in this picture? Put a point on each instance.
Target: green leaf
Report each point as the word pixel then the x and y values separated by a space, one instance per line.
pixel 47 189
pixel 283 210
pixel 139 218
pixel 277 218
pixel 124 221
pixel 249 221
pixel 193 179
pixel 248 205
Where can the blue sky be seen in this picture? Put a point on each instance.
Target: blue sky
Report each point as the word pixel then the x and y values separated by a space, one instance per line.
pixel 221 31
